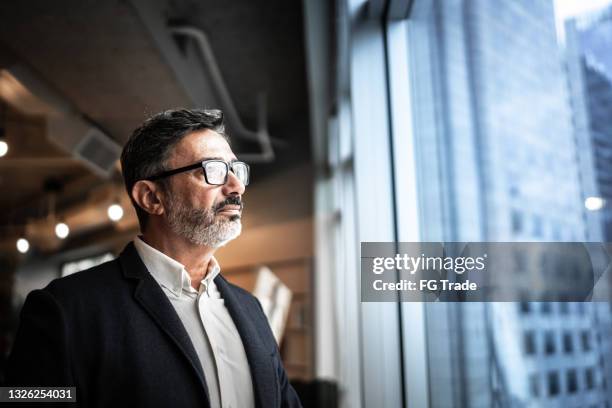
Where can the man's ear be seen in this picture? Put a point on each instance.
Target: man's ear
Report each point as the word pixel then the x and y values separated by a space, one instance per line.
pixel 148 196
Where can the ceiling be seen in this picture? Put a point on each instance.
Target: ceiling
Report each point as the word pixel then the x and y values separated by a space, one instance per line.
pixel 103 59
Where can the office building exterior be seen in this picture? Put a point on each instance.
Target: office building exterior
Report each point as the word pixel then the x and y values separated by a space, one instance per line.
pixel 496 120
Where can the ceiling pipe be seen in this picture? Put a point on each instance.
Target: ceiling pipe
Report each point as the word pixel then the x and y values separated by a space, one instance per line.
pixel 261 135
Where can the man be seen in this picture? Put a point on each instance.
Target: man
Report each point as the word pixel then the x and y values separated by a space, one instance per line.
pixel 160 326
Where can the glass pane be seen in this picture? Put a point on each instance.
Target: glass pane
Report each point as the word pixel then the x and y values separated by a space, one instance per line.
pixel 512 116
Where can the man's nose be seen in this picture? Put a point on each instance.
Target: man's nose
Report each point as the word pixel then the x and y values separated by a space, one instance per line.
pixel 233 185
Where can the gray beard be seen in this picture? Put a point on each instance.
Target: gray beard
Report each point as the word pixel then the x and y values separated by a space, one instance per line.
pixel 201 227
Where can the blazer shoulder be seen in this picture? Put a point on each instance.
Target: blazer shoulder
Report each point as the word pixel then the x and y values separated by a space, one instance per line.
pixel 87 282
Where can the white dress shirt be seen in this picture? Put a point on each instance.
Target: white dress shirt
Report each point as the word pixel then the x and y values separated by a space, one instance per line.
pixel 209 325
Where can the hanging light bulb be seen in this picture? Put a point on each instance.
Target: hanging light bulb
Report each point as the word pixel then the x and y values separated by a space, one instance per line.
pixel 115 212
pixel 23 245
pixel 62 230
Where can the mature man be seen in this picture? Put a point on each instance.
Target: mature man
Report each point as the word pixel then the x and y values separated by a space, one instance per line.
pixel 159 326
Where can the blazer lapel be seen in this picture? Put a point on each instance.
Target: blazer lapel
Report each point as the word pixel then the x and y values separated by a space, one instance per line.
pixel 150 295
pixel 263 373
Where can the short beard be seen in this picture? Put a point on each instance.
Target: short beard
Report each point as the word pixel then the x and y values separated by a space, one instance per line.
pixel 201 227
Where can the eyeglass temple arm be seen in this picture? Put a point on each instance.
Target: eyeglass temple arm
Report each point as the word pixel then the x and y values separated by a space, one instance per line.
pixel 173 172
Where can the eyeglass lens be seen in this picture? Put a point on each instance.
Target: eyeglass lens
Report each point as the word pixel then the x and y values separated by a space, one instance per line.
pixel 216 172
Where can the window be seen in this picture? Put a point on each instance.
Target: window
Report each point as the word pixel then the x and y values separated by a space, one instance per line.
pixel 492 92
pixel 549 343
pixel 525 307
pixel 492 89
pixel 589 378
pixel 568 343
pixel 586 341
pixel 553 383
pixel 529 342
pixel 572 381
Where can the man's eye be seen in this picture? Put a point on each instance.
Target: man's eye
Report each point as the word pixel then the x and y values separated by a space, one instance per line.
pixel 198 173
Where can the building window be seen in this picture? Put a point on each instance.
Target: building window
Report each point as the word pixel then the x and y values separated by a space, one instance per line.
pixel 572 381
pixel 549 343
pixel 589 378
pixel 553 383
pixel 468 108
pixel 586 341
pixel 568 343
pixel 529 342
pixel 525 307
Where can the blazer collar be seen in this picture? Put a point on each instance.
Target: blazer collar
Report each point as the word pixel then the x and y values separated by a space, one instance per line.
pixel 151 297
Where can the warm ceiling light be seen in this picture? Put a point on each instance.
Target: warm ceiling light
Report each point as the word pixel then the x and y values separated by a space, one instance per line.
pixel 115 212
pixel 23 245
pixel 62 230
pixel 3 148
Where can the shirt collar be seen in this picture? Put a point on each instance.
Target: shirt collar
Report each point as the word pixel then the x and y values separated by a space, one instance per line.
pixel 170 273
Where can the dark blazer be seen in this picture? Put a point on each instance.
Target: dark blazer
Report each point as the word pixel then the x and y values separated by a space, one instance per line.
pixel 112 332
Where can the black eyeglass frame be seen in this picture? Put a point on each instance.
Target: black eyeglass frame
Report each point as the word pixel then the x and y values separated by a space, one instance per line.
pixel 202 165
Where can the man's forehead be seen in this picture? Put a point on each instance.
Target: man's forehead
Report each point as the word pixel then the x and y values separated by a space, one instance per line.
pixel 202 144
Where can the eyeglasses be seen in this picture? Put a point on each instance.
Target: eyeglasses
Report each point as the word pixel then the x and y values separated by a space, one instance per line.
pixel 215 171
